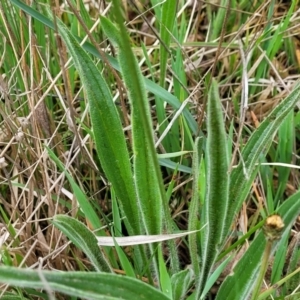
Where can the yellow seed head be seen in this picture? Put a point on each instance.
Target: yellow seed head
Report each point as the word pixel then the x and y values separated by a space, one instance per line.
pixel 273 227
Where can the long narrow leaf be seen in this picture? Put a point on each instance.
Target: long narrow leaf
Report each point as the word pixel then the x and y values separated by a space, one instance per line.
pixel 147 175
pixel 216 200
pixel 168 18
pixel 108 133
pixel 141 239
pixel 92 285
pixel 83 202
pixel 181 283
pixel 194 209
pixel 166 28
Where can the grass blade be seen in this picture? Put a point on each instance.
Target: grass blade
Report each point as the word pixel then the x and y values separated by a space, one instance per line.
pixel 168 17
pixel 124 261
pixel 84 204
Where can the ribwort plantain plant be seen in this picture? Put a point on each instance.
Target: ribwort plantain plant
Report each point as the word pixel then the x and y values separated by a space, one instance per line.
pixel 150 266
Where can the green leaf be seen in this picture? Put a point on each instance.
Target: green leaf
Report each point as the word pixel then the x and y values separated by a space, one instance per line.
pixel 174 166
pixel 167 23
pixel 216 199
pixel 126 265
pixel 280 258
pixel 217 20
pixel 168 18
pixel 214 277
pixel 145 159
pixel 284 153
pixel 32 12
pixel 293 263
pixel 93 286
pixel 84 239
pixel 240 283
pixel 12 296
pixel 108 133
pixel 194 209
pixel 147 174
pixel 164 95
pixel 181 283
pixel 165 280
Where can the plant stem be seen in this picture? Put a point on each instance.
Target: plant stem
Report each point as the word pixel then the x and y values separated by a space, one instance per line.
pixel 263 269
